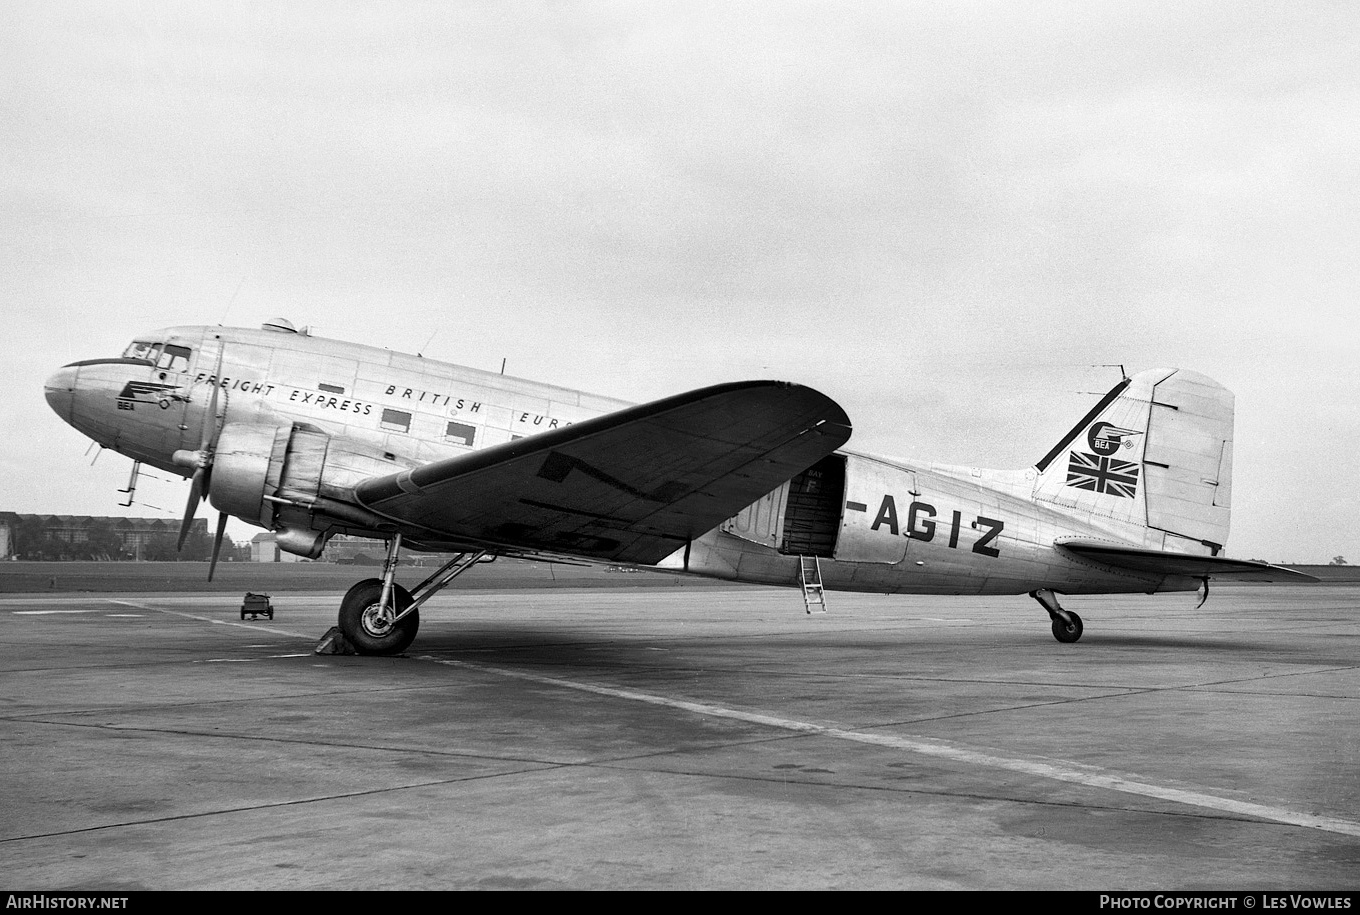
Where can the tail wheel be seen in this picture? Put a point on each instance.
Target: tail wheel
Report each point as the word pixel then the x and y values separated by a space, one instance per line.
pixel 1066 630
pixel 368 628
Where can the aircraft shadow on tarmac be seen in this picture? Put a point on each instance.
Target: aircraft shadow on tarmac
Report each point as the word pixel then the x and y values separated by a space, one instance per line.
pixel 1189 646
pixel 516 646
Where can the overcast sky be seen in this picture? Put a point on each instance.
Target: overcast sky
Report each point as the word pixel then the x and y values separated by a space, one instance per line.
pixel 947 216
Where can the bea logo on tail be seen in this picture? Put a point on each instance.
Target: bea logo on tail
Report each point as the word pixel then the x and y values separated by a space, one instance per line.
pixel 1106 438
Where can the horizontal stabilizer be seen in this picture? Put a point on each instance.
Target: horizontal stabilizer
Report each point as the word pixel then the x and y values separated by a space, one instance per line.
pixel 1160 562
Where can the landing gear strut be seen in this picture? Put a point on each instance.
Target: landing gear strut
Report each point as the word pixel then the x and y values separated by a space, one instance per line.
pixel 379 616
pixel 1066 624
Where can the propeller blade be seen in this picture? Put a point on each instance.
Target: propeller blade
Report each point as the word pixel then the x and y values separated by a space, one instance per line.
pixel 217 543
pixel 195 497
pixel 207 443
pixel 208 436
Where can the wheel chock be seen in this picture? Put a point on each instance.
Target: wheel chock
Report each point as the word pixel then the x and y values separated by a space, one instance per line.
pixel 334 642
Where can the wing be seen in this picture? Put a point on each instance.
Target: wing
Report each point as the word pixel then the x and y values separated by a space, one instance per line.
pixel 1160 562
pixel 630 486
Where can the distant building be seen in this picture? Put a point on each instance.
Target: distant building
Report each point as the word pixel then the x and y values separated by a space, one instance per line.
pixel 265 548
pixel 345 549
pixel 89 536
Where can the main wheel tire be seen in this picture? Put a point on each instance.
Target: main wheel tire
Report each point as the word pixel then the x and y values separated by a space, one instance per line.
pixel 366 629
pixel 1064 631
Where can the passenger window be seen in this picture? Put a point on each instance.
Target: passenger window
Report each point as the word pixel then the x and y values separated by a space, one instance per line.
pixel 396 421
pixel 461 433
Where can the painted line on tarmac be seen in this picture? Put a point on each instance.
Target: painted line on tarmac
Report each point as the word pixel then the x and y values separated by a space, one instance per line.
pixel 50 612
pixel 1059 770
pixel 268 657
pixel 253 626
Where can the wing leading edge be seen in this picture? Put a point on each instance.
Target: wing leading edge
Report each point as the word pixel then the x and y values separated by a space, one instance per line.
pixel 1160 562
pixel 630 486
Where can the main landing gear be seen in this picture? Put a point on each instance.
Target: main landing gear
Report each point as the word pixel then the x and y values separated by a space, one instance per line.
pixel 1066 624
pixel 379 616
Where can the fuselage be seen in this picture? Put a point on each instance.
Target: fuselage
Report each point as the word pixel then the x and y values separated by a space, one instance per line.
pixel 876 524
pixel 152 401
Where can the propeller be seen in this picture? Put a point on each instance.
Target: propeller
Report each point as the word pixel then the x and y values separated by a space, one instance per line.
pixel 217 543
pixel 202 461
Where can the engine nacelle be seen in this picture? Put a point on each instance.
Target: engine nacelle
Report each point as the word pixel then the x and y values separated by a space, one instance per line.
pixel 294 479
pixel 247 465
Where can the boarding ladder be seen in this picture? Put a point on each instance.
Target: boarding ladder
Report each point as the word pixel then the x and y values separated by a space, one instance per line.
pixel 810 572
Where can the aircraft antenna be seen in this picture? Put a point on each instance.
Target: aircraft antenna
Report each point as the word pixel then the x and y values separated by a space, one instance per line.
pixel 1123 375
pixel 232 300
pixel 502 365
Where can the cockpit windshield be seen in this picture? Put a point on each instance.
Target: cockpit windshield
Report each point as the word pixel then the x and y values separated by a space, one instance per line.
pixel 165 356
pixel 140 349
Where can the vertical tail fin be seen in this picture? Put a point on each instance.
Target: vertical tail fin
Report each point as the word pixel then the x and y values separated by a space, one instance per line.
pixel 1152 462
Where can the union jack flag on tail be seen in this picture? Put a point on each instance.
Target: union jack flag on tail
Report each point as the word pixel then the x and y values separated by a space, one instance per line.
pixel 1102 474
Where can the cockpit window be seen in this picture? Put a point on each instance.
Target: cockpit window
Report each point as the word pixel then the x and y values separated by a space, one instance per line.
pixel 174 358
pixel 165 356
pixel 140 349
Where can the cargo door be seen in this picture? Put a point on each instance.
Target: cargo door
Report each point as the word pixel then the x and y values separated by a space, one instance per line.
pixel 812 509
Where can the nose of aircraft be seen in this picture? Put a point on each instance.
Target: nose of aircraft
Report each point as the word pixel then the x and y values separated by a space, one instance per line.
pixel 60 390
